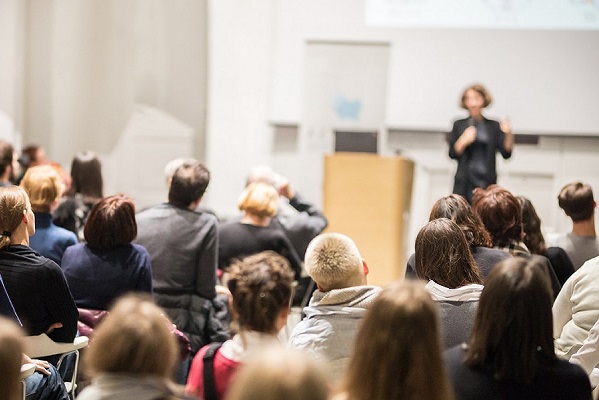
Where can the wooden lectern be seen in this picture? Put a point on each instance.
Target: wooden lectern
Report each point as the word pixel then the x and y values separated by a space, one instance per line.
pixel 367 197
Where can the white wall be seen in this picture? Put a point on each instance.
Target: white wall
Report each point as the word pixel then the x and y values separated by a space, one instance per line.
pixel 545 81
pixel 88 64
pixel 11 74
pixel 240 49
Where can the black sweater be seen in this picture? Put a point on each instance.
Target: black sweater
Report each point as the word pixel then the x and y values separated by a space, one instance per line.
pixel 39 292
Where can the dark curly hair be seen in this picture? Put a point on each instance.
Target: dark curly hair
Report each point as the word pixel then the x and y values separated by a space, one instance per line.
pixel 262 286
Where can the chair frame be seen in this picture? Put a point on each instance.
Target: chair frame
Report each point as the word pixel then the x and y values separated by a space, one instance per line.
pixel 42 346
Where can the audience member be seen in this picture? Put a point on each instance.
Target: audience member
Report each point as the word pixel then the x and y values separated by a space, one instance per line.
pixel 34 155
pixel 510 354
pixel 261 286
pixel 338 306
pixel 581 244
pixel 169 171
pixel 535 242
pixel 299 219
pixel 45 382
pixel 274 375
pixel 397 351
pixel 457 209
pixel 86 190
pixel 10 168
pixel 108 265
pixel 44 187
pixel 576 309
pixel 501 213
pixel 252 234
pixel 11 350
pixel 35 284
pixel 443 258
pixel 183 247
pixel 588 355
pixel 133 354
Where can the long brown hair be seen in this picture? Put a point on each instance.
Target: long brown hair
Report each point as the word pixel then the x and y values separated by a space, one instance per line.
pixel 513 329
pixel 531 224
pixel 457 209
pixel 443 255
pixel 86 172
pixel 398 353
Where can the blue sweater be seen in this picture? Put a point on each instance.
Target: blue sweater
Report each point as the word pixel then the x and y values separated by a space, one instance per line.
pixel 50 240
pixel 98 277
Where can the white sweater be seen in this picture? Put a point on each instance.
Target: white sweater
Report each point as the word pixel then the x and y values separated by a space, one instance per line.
pixel 576 309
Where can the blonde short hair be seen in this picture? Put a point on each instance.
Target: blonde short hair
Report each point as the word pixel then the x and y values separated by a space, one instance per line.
pixel 259 198
pixel 133 339
pixel 44 186
pixel 333 261
pixel 280 374
pixel 11 353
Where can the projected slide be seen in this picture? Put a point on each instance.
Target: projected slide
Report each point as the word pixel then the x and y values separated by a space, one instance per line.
pixel 489 14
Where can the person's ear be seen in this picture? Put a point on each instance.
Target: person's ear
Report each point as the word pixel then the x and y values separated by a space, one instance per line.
pixel 365 267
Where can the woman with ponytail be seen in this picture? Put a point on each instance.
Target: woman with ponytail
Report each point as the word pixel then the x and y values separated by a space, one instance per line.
pixel 35 284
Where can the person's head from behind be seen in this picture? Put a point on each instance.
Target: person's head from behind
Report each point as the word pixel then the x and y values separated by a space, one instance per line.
pixel 334 262
pixel 8 161
pixel 133 339
pixel 111 223
pixel 280 374
pixel 457 209
pixel 577 201
pixel 34 155
pixel 173 165
pixel 15 214
pixel 397 350
pixel 44 186
pixel 261 286
pixel 86 176
pixel 443 255
pixel 500 212
pixel 513 329
pixel 531 223
pixel 188 185
pixel 259 199
pixel 11 353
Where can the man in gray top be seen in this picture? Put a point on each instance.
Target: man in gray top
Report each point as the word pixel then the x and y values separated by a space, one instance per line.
pixel 339 304
pixel 183 245
pixel 582 244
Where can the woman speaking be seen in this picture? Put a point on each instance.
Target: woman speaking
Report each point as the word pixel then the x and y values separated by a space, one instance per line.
pixel 475 140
